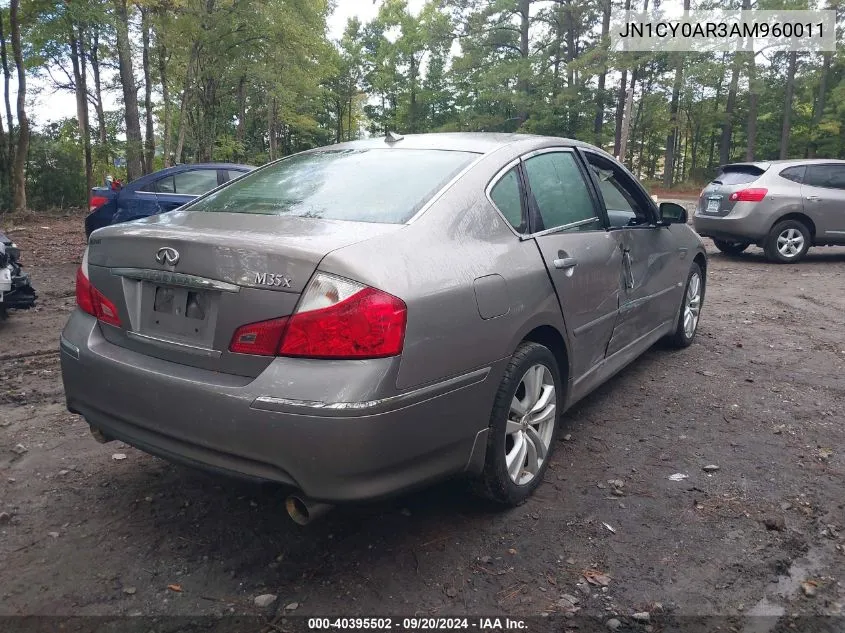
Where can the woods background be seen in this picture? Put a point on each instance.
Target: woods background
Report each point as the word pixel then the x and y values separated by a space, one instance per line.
pixel 252 80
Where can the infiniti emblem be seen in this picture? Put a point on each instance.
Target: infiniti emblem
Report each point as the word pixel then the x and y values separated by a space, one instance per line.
pixel 167 255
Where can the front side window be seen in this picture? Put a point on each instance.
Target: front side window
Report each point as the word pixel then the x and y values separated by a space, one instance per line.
pixel 560 193
pixel 827 176
pixel 622 199
pixel 361 185
pixel 507 197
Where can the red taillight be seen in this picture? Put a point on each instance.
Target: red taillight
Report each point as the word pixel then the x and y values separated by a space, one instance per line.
pixel 92 301
pixel 83 293
pixel 749 195
pixel 96 202
pixel 336 318
pixel 369 324
pixel 261 338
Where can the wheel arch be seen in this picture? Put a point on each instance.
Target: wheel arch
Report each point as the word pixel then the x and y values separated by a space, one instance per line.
pixel 798 217
pixel 550 337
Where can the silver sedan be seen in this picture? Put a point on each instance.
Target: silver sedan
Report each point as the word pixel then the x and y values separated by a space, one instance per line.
pixel 366 318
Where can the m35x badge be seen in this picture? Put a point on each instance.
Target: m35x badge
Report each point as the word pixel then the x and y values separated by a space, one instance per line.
pixel 272 279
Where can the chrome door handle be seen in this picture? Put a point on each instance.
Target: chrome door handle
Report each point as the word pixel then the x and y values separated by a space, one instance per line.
pixel 566 262
pixel 813 198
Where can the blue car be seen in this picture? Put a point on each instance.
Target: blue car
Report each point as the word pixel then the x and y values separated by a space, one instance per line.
pixel 155 193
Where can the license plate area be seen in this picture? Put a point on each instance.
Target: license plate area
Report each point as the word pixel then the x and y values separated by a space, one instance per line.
pixel 184 315
pixel 713 205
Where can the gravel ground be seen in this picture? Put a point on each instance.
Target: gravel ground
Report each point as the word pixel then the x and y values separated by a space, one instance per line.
pixel 759 395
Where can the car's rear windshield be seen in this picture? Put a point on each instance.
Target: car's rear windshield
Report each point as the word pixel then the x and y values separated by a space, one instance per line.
pixel 738 174
pixel 364 185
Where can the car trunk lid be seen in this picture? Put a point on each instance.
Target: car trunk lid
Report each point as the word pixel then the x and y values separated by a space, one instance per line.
pixel 185 281
pixel 715 199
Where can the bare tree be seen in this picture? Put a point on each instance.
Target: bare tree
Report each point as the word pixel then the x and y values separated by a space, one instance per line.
pixel 134 143
pixel 19 168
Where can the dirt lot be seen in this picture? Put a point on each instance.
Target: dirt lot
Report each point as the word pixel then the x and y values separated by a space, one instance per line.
pixel 761 395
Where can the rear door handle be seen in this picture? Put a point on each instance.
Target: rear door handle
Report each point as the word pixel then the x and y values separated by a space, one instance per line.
pixel 566 262
pixel 813 198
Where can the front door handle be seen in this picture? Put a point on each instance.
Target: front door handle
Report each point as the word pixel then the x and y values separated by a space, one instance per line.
pixel 566 262
pixel 813 198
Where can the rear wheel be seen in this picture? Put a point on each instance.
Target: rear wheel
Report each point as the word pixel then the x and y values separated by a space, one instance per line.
pixel 523 425
pixel 788 242
pixel 731 248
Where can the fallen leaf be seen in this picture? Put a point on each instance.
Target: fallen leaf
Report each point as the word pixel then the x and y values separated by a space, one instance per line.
pixel 176 588
pixel 118 456
pixel 595 577
pixel 678 477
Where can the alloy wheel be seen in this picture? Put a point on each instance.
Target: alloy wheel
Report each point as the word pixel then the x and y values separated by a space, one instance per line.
pixel 530 424
pixel 692 305
pixel 790 243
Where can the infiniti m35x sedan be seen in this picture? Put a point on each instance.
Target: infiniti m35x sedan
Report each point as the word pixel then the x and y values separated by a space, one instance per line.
pixel 361 319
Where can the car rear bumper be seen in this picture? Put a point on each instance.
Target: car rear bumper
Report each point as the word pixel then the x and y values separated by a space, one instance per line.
pixel 331 452
pixel 741 225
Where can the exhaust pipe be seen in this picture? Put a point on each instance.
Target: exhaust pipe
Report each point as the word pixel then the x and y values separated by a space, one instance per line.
pixel 303 510
pixel 101 437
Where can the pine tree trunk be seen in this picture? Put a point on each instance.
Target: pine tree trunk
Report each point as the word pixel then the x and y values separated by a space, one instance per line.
pixel 751 125
pixel 727 125
pixel 818 109
pixel 10 147
pixel 183 106
pixel 165 96
pixel 787 105
pixel 102 133
pixel 605 30
pixel 149 136
pixel 671 137
pixel 22 146
pixel 134 141
pixel 522 84
pixel 77 58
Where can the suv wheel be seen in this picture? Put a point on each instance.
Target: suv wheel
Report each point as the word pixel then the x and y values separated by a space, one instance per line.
pixel 788 242
pixel 731 248
pixel 523 425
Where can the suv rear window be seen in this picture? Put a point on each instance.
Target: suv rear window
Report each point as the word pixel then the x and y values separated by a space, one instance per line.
pixel 738 174
pixel 362 185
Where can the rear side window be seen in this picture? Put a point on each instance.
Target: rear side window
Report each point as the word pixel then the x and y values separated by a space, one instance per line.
pixel 234 174
pixel 195 182
pixel 795 174
pixel 361 185
pixel 559 190
pixel 828 176
pixel 738 174
pixel 506 196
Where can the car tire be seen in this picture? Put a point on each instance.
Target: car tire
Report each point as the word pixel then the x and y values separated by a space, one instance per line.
pixel 788 242
pixel 515 445
pixel 691 304
pixel 731 248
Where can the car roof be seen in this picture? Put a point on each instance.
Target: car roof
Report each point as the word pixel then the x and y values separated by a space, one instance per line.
pixel 765 164
pixel 176 169
pixel 477 142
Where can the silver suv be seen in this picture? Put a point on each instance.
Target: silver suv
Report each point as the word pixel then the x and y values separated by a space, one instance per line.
pixel 783 206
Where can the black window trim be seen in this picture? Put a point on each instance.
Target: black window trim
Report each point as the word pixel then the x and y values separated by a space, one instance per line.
pixel 533 210
pixel 651 207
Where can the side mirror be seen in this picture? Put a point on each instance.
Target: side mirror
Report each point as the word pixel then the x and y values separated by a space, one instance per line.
pixel 671 213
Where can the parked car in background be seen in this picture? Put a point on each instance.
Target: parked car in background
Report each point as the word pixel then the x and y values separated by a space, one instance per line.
pixel 16 291
pixel 783 206
pixel 361 319
pixel 158 192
